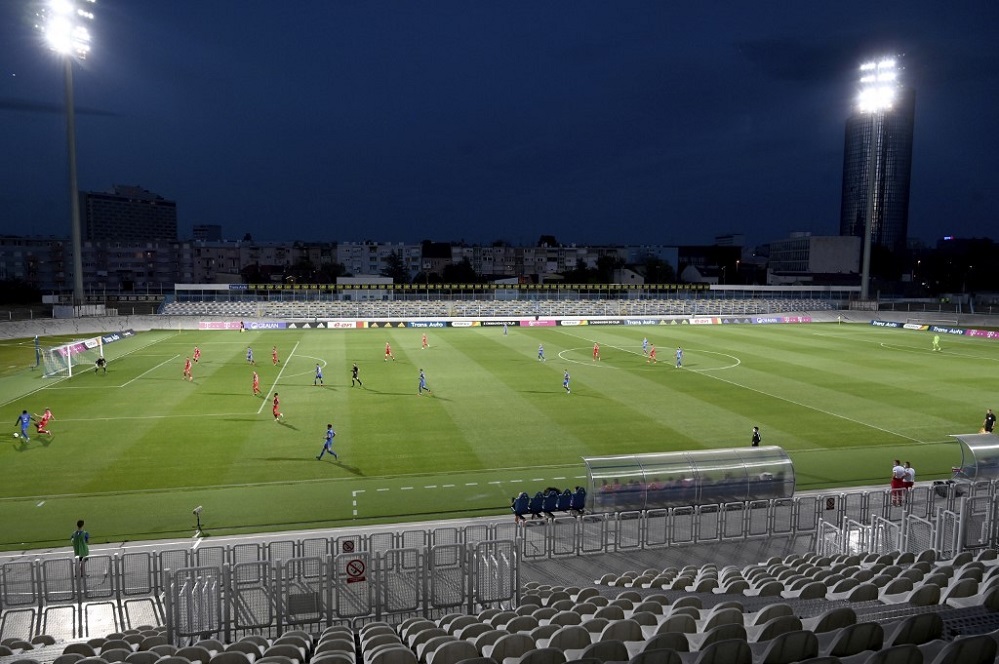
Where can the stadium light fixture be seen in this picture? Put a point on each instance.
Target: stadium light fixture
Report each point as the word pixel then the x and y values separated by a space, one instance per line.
pixel 64 24
pixel 878 89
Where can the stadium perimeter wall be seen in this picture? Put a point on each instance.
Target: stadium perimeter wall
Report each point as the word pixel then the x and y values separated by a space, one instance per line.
pixel 86 327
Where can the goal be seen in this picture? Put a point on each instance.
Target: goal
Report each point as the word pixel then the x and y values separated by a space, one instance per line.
pixel 62 360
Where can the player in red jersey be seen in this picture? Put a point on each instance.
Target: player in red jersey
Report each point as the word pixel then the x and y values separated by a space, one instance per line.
pixel 276 410
pixel 256 384
pixel 187 369
pixel 388 352
pixel 197 354
pixel 651 359
pixel 274 357
pixel 596 351
pixel 42 422
pixel 425 344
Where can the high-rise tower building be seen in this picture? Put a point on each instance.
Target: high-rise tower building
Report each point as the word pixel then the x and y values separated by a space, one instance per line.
pixel 877 163
pixel 128 214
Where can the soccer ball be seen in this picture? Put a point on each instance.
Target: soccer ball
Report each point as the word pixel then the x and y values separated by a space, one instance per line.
pixel 17 435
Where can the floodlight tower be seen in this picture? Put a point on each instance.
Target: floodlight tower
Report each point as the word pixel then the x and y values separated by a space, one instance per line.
pixel 878 89
pixel 64 25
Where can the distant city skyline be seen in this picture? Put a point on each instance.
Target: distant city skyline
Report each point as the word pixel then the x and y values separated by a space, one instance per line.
pixel 598 123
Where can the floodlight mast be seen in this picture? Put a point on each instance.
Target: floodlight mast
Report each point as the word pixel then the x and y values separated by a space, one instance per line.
pixel 64 25
pixel 878 88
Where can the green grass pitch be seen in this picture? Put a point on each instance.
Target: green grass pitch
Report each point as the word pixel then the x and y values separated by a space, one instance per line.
pixel 134 451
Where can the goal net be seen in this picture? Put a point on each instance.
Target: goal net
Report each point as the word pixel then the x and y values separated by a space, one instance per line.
pixel 63 360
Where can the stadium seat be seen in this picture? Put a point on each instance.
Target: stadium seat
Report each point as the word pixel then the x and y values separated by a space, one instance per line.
pixel 792 646
pixel 731 651
pixel 452 653
pixel 851 640
pixel 227 657
pixel 978 649
pixel 916 630
pixel 606 651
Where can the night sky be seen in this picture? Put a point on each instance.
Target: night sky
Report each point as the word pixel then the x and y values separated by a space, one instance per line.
pixel 610 122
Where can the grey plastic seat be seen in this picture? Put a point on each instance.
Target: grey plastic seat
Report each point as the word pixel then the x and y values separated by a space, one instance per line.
pixel 978 649
pixel 657 656
pixel 852 640
pixel 539 656
pixel 669 641
pixel 510 645
pixel 606 651
pixel 916 630
pixel 731 651
pixel 227 657
pixel 570 638
pixel 787 647
pixel 452 653
pixel 832 619
pixel 773 628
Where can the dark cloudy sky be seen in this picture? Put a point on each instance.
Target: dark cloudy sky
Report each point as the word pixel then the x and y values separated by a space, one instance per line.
pixel 609 121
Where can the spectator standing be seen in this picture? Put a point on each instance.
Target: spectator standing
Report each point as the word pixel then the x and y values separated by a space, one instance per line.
pixel 910 476
pixel 81 544
pixel 897 482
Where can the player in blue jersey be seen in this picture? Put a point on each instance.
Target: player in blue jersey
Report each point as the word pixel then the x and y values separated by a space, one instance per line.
pixel 24 419
pixel 565 382
pixel 679 357
pixel 328 443
pixel 423 384
pixel 318 380
pixel 645 345
pixel 541 353
pixel 249 356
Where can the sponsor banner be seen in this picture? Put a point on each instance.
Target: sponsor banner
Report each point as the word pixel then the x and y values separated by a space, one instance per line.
pixel 946 330
pixel 427 323
pixel 343 324
pixel 643 321
pixel 984 334
pixel 390 323
pixel 705 320
pixel 116 336
pixel 464 323
pixel 572 323
pixel 239 286
pixel 500 323
pixel 913 326
pixel 885 323
pixel 772 320
pixel 541 322
pixel 603 321
pixel 218 325
pixel 265 325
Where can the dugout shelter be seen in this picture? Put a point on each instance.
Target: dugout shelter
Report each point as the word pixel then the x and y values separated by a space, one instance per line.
pixel 693 477
pixel 979 457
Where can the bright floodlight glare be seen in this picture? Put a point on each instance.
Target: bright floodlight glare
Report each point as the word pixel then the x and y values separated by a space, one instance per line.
pixel 64 24
pixel 878 86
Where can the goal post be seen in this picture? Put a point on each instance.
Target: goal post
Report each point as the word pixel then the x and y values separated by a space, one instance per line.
pixel 61 360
